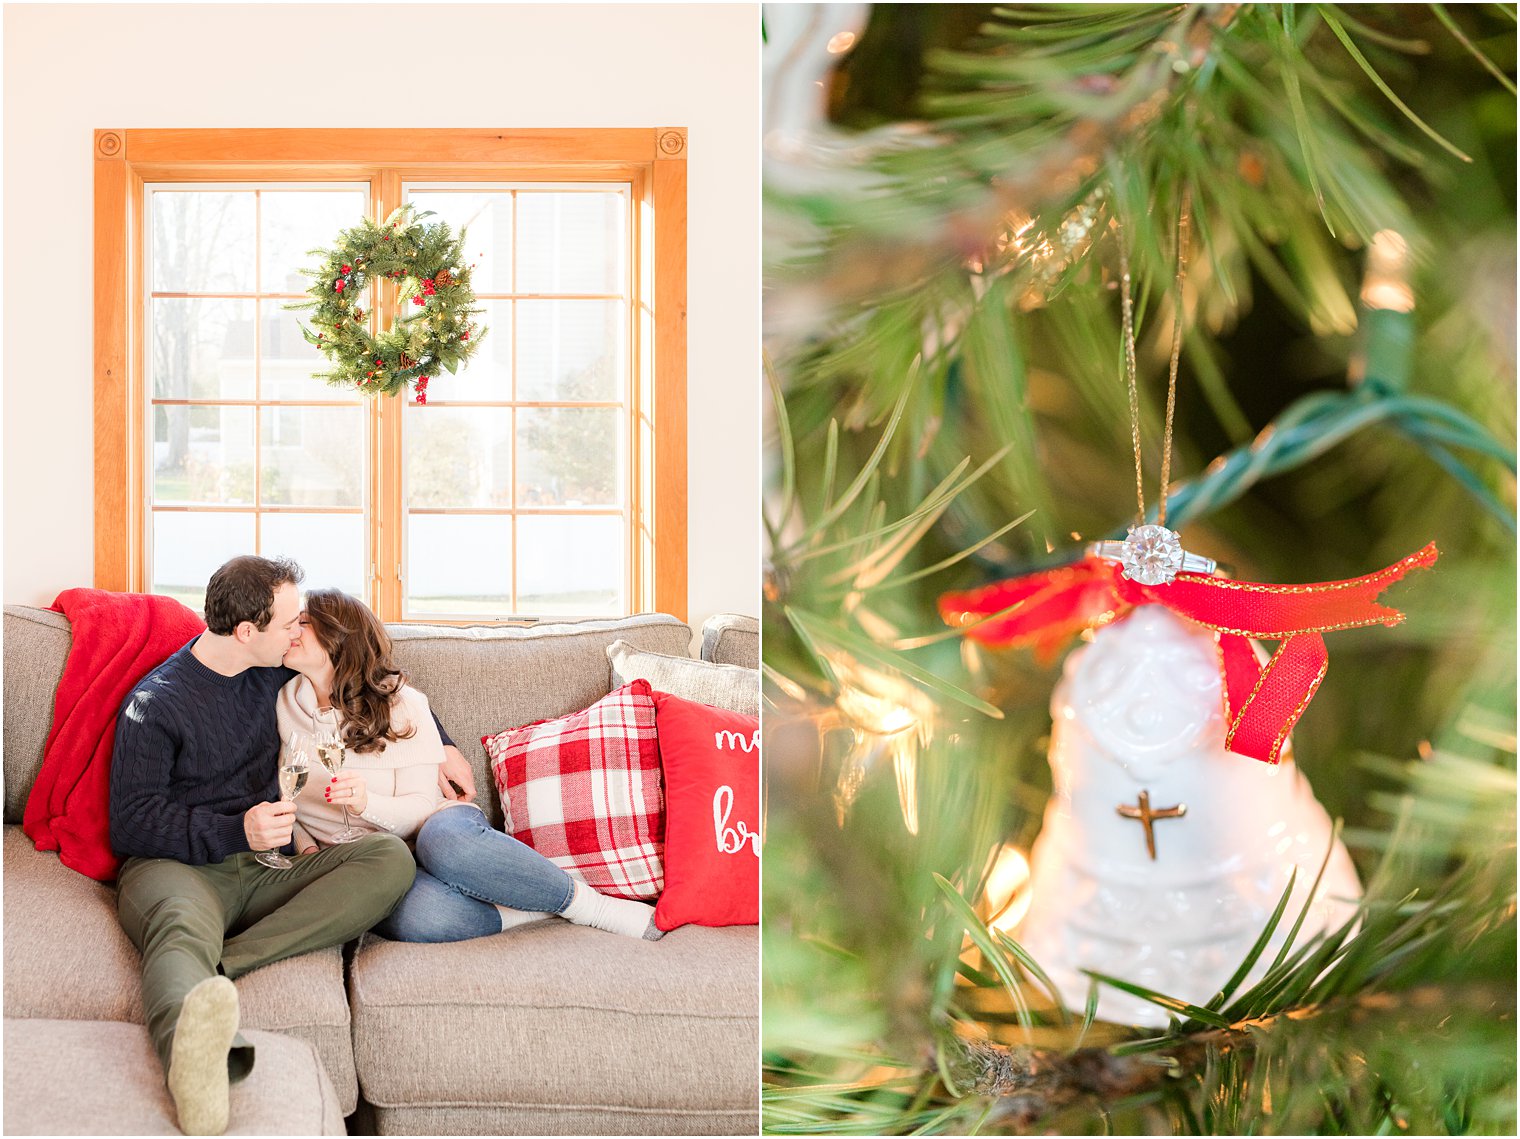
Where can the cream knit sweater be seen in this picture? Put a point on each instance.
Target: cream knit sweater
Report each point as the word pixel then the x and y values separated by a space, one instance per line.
pixel 402 777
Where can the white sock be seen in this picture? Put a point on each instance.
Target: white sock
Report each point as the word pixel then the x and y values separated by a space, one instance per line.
pixel 511 918
pixel 197 1075
pixel 615 915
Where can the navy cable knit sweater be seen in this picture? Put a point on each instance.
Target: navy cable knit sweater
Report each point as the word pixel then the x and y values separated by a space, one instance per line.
pixel 194 751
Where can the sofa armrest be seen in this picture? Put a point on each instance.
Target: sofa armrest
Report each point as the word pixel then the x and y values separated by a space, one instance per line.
pixel 731 638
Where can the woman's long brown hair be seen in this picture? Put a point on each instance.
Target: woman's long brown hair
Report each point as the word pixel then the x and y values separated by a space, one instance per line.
pixel 364 677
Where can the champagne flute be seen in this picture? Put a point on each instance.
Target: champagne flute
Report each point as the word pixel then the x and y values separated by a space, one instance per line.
pixel 295 762
pixel 332 751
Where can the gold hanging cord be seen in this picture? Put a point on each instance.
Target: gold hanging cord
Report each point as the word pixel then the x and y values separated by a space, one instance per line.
pixel 1127 307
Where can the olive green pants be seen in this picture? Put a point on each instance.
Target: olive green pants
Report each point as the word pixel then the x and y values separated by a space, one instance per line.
pixel 240 914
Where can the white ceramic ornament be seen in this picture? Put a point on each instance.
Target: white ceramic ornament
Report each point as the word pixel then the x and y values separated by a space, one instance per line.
pixel 1162 855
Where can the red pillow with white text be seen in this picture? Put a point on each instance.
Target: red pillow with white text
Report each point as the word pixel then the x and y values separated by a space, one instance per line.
pixel 584 791
pixel 711 759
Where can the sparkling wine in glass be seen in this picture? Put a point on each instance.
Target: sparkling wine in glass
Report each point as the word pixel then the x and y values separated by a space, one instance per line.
pixel 295 762
pixel 332 751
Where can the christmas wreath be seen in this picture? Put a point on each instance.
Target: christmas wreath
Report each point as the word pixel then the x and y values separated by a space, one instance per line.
pixel 434 328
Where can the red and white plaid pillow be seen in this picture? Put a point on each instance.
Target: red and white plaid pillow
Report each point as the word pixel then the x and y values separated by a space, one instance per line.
pixel 584 791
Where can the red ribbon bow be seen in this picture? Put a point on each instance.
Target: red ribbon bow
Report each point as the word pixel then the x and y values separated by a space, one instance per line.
pixel 1261 702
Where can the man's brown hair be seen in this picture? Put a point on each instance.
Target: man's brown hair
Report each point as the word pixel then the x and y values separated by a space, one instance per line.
pixel 243 590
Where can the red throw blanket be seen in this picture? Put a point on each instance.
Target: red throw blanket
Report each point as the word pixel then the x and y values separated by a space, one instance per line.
pixel 118 639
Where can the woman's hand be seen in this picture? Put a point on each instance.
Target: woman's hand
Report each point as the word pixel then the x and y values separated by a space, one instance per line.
pixel 348 789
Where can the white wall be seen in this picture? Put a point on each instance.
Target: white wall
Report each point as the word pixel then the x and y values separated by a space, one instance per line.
pixel 70 69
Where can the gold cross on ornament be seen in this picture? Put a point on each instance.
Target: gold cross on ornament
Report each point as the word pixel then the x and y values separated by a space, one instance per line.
pixel 1147 816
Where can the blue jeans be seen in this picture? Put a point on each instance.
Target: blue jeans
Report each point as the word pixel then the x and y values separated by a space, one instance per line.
pixel 465 869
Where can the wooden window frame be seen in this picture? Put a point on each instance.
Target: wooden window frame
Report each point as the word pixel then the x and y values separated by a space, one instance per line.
pixel 652 160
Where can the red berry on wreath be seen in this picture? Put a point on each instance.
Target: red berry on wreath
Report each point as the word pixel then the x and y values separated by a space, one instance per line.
pixel 416 300
pixel 338 285
pixel 348 269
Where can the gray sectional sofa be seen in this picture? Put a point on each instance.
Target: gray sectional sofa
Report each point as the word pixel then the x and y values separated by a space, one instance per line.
pixel 547 1029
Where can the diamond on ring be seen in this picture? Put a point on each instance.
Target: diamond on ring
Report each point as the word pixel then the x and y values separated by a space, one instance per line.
pixel 1151 555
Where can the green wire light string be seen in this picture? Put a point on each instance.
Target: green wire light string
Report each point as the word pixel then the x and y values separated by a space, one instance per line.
pixel 1317 423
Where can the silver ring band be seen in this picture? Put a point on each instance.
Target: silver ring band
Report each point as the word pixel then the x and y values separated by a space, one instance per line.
pixel 1114 551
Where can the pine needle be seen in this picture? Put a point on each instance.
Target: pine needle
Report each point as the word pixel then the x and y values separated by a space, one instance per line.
pixel 1352 50
pixel 1457 34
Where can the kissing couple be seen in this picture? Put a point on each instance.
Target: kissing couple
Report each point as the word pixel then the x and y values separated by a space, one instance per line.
pixel 384 841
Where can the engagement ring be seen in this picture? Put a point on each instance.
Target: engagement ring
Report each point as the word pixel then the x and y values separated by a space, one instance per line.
pixel 1152 555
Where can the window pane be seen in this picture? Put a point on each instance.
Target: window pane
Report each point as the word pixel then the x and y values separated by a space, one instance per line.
pixel 489 375
pixel 457 457
pixel 570 242
pixel 487 220
pixel 570 350
pixel 331 548
pixel 459 566
pixel 202 349
pixel 188 548
pixel 570 456
pixel 295 222
pixel 312 456
pixel 570 566
pixel 287 364
pixel 203 241
pixel 202 455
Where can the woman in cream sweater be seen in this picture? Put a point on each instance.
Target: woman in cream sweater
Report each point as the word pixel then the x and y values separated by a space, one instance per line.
pixel 471 880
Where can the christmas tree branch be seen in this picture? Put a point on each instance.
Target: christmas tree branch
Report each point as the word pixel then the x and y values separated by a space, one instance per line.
pixel 957 317
pixel 1044 1079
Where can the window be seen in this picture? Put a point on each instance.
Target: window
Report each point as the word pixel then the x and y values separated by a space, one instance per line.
pixel 545 480
pixel 248 452
pixel 526 450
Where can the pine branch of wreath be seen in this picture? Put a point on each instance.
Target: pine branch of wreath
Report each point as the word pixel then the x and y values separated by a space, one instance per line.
pixel 438 328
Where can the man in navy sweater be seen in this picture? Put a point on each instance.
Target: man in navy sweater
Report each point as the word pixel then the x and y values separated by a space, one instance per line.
pixel 194 792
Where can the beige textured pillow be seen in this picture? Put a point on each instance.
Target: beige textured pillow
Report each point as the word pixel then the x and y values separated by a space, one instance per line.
pixel 721 685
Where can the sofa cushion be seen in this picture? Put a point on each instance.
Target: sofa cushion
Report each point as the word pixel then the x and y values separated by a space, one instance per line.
pixel 711 762
pixel 557 1018
pixel 66 958
pixel 118 1089
pixel 584 791
pixel 36 645
pixel 482 680
pixel 731 638
pixel 721 685
pixel 539 1119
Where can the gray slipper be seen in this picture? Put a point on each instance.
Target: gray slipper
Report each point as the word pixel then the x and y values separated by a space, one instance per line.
pixel 208 1021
